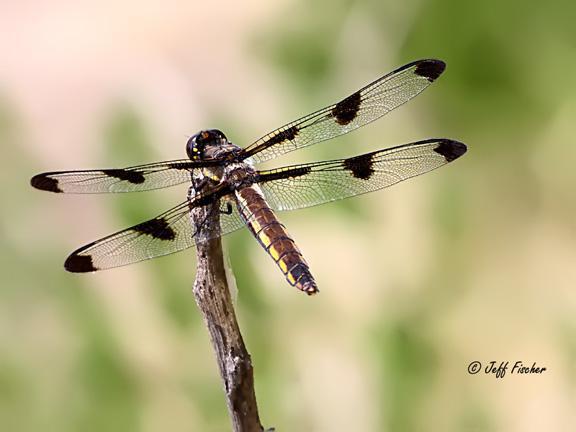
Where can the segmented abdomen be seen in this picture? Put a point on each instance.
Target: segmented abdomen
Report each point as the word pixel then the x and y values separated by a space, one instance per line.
pixel 273 236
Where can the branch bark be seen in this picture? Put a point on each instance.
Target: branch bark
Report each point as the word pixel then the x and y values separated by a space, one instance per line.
pixel 213 298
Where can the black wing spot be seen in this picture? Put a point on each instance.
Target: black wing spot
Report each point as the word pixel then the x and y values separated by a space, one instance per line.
pixel 79 264
pixel 346 110
pixel 127 175
pixel 430 69
pixel 285 173
pixel 361 166
pixel 450 149
pixel 157 228
pixel 43 182
pixel 285 135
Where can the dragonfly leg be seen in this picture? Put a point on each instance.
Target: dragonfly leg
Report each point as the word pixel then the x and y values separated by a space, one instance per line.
pixel 228 208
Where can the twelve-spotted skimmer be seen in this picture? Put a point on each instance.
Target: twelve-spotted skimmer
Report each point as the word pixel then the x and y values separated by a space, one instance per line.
pixel 223 173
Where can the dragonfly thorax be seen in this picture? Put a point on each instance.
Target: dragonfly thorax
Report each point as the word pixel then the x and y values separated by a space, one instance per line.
pixel 210 144
pixel 239 175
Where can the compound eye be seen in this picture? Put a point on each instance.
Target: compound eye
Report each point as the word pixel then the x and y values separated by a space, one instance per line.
pixel 192 148
pixel 218 134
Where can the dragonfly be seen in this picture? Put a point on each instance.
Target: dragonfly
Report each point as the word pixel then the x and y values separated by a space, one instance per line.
pixel 222 175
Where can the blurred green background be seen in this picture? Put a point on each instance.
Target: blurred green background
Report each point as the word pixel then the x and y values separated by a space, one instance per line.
pixel 475 261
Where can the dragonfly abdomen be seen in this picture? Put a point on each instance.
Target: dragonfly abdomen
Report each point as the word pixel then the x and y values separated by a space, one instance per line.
pixel 274 238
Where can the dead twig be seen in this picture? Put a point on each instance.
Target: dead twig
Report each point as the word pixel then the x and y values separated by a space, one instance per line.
pixel 213 298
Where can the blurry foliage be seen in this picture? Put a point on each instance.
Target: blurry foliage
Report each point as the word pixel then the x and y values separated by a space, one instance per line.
pixel 303 47
pixel 408 368
pixel 103 396
pixel 110 398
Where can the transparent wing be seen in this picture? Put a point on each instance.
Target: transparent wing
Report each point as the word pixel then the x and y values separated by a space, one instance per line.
pixel 306 185
pixel 132 179
pixel 358 109
pixel 167 233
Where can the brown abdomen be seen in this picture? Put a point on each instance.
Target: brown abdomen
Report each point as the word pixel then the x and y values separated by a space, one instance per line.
pixel 273 236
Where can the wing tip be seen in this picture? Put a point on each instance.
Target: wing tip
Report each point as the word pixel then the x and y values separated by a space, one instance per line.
pixel 430 69
pixel 451 149
pixel 79 264
pixel 46 183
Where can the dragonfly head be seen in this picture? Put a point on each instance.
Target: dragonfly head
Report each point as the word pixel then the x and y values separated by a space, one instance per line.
pixel 209 144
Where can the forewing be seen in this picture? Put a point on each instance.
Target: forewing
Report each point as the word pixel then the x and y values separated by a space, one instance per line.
pixel 306 185
pixel 132 179
pixel 358 109
pixel 167 233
